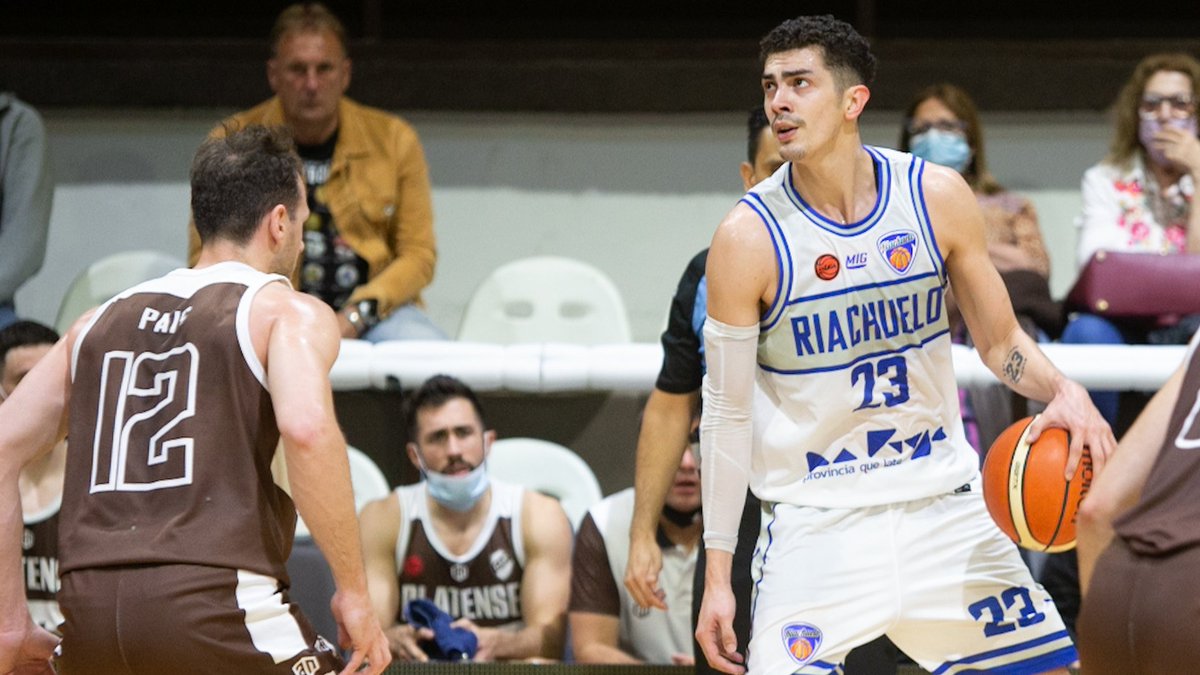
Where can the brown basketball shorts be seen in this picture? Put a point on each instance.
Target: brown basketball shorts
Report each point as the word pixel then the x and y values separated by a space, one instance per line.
pixel 154 619
pixel 1141 613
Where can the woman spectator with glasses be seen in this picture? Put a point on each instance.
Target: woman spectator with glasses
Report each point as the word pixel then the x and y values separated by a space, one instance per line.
pixel 1139 199
pixel 942 126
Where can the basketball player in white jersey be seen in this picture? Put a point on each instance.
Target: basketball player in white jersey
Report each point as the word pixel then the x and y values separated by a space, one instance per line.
pixel 177 393
pixel 825 286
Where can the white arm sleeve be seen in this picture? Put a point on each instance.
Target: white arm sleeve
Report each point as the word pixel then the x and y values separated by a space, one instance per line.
pixel 726 430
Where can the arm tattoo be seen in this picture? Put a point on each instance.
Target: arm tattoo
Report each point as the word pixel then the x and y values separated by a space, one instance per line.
pixel 1014 365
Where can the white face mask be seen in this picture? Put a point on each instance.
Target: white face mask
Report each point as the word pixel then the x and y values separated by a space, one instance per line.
pixel 457 493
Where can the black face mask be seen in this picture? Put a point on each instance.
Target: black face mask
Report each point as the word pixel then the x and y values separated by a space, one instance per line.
pixel 680 518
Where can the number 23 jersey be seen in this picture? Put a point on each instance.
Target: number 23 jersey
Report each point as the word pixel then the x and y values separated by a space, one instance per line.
pixel 854 354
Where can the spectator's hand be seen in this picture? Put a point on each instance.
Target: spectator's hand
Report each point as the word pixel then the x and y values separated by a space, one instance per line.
pixel 682 660
pixel 403 640
pixel 1181 148
pixel 641 573
pixel 28 651
pixel 1072 409
pixel 714 630
pixel 347 329
pixel 359 632
pixel 486 638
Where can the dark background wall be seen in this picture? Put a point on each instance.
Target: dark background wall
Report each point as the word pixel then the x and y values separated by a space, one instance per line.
pixel 616 56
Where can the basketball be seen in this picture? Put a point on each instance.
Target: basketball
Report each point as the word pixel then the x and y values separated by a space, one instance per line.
pixel 1025 491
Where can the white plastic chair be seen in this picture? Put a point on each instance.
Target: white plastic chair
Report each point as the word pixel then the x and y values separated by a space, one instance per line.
pixel 546 299
pixel 367 480
pixel 312 580
pixel 107 277
pixel 549 468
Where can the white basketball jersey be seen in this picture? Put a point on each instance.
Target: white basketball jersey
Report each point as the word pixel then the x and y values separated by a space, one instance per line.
pixel 854 354
pixel 651 635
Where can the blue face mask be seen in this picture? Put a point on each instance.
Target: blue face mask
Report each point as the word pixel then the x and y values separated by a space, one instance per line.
pixel 457 493
pixel 942 147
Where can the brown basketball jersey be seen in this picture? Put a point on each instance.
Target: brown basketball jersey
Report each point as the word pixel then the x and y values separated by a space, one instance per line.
pixel 172 431
pixel 1166 517
pixel 39 562
pixel 484 584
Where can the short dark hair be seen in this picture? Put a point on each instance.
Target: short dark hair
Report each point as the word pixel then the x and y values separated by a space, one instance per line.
pixel 847 53
pixel 754 127
pixel 434 393
pixel 237 178
pixel 306 17
pixel 24 334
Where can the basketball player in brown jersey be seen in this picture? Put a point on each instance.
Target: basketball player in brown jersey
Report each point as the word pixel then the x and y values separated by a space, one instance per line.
pixel 176 394
pixel 1139 541
pixel 492 555
pixel 22 345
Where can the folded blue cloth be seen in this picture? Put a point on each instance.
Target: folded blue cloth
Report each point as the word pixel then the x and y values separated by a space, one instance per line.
pixel 448 643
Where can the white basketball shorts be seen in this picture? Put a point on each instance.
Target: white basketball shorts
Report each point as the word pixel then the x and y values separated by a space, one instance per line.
pixel 936 575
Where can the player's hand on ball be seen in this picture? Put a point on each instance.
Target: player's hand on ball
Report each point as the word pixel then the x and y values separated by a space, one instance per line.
pixel 1072 409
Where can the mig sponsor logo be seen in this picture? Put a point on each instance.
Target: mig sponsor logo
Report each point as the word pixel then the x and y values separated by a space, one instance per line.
pixel 856 261
pixel 899 249
pixel 801 641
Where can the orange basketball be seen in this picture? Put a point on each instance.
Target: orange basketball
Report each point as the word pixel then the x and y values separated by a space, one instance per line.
pixel 1025 491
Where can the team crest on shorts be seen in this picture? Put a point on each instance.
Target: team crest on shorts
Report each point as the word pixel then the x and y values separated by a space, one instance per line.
pixel 801 641
pixel 899 249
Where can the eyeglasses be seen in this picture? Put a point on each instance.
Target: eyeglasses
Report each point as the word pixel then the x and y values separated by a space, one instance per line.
pixel 948 126
pixel 1177 106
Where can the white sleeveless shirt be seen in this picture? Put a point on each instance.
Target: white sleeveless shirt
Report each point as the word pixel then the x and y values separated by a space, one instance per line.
pixel 854 354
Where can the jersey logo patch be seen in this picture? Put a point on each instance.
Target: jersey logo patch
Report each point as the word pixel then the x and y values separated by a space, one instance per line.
pixel 856 261
pixel 898 249
pixel 308 665
pixel 827 267
pixel 459 572
pixel 502 565
pixel 413 566
pixel 801 641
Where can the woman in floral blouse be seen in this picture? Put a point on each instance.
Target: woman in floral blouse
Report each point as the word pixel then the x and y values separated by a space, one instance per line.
pixel 1140 197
